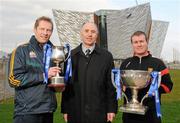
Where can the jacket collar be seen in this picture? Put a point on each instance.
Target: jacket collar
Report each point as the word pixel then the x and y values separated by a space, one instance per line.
pixel 36 44
pixel 143 57
pixel 79 49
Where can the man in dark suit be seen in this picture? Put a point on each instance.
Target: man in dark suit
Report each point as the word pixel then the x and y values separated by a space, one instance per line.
pixel 90 97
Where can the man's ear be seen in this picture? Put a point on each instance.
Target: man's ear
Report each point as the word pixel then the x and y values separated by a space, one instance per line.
pixel 147 41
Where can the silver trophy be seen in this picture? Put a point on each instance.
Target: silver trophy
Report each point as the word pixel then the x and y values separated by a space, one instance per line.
pixel 135 80
pixel 58 57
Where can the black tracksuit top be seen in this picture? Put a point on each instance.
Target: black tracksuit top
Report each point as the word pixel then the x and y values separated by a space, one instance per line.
pixel 26 70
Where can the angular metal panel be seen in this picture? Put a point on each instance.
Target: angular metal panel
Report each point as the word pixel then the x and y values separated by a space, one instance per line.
pixel 157 37
pixel 69 23
pixel 121 24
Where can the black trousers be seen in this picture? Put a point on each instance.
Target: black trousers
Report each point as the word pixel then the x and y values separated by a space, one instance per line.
pixel 135 118
pixel 34 118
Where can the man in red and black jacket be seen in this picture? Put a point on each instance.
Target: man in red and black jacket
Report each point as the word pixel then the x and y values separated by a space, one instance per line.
pixel 143 60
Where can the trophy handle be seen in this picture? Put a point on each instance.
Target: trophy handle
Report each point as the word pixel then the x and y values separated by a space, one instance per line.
pixel 159 82
pixel 123 94
pixel 67 46
pixel 145 96
pixel 116 81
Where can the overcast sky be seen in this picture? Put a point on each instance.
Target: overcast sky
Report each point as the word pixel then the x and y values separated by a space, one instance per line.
pixel 17 18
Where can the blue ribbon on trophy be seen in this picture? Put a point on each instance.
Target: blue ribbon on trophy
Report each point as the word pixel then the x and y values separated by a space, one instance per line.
pixel 46 60
pixel 153 91
pixel 68 72
pixel 115 74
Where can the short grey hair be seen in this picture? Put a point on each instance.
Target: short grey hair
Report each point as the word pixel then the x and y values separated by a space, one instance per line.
pixel 91 23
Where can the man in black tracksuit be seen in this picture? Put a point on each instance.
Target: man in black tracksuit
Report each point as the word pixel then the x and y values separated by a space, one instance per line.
pixel 143 60
pixel 34 101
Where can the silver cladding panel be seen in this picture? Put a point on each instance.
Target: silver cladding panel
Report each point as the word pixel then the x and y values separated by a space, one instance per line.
pixel 157 37
pixel 122 24
pixel 68 25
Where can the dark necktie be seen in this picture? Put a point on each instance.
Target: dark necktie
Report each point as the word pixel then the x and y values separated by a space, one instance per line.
pixel 87 52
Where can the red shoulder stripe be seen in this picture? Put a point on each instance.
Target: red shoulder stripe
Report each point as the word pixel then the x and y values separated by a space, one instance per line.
pixel 165 71
pixel 166 89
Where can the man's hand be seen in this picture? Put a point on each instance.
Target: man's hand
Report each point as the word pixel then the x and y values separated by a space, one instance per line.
pixel 110 117
pixel 65 116
pixel 53 71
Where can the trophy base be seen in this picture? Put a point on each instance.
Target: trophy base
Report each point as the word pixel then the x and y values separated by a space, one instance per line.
pixel 57 80
pixel 57 83
pixel 134 109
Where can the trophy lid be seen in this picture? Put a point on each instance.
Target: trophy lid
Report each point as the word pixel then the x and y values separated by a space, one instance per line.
pixel 135 78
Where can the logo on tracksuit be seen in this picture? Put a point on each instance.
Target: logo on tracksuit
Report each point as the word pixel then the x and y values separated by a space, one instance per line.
pixel 32 54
